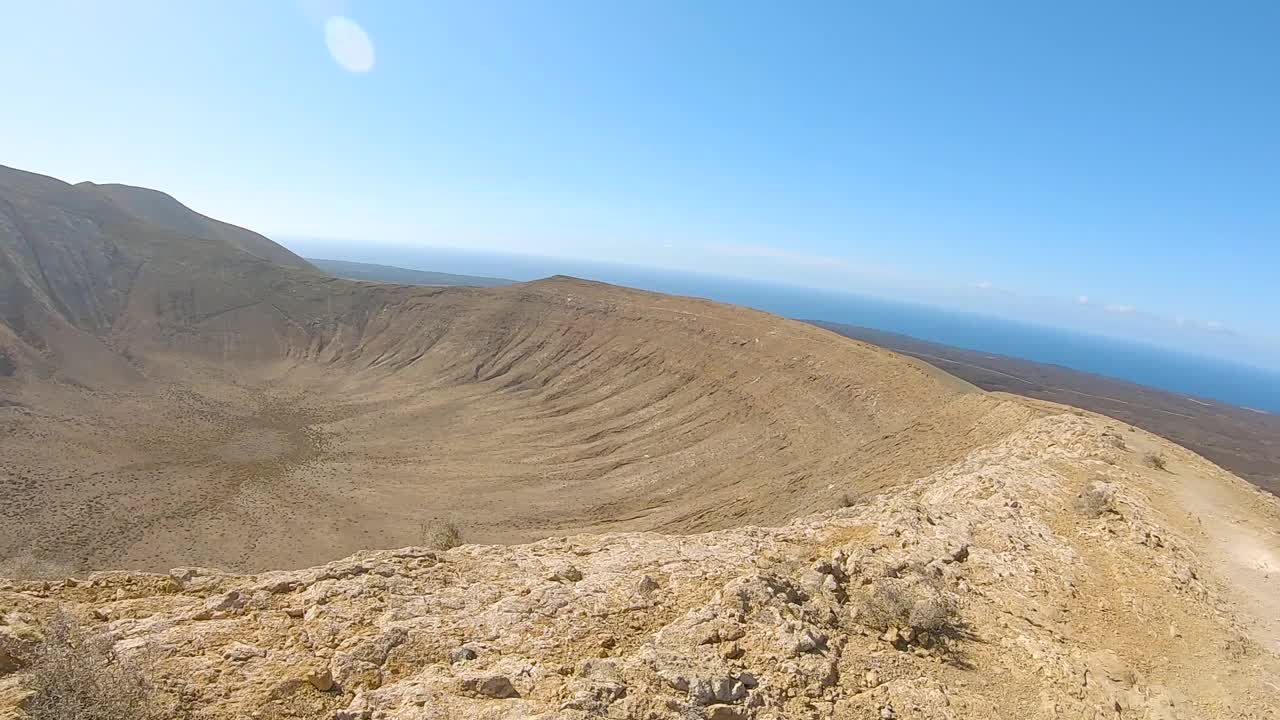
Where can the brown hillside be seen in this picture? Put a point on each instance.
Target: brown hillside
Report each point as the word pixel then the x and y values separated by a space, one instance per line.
pixel 163 212
pixel 168 398
pixel 174 399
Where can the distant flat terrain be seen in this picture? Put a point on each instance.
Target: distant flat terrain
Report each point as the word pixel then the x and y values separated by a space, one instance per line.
pixel 402 276
pixel 1242 440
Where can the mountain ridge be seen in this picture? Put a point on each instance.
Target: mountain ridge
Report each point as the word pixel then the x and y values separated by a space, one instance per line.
pixel 183 368
pixel 666 507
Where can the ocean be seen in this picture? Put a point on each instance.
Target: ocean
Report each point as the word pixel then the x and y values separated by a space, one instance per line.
pixel 1193 375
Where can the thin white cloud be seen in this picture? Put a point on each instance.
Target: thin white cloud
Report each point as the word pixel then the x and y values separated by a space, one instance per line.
pixel 1083 300
pixel 768 252
pixel 1216 327
pixel 983 285
pixel 1120 309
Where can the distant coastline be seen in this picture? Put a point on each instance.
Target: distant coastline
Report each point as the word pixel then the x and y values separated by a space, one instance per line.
pixel 403 276
pixel 1198 414
pixel 1197 376
pixel 1244 440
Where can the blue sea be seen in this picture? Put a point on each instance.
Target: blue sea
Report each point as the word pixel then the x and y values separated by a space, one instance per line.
pixel 1193 375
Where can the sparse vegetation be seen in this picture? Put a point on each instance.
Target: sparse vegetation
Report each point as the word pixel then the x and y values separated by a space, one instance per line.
pixel 847 500
pixel 1097 500
pixel 1155 461
pixel 75 675
pixel 440 535
pixel 920 603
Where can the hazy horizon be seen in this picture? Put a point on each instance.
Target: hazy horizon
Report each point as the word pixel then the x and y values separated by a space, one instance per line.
pixel 525 267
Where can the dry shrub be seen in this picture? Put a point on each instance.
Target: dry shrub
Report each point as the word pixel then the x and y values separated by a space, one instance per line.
pixel 847 500
pixel 1095 501
pixel 1155 461
pixel 75 675
pixel 886 605
pixel 931 613
pixel 440 535
pixel 919 602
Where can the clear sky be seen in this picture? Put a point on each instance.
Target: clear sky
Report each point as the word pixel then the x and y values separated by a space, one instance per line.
pixel 1110 166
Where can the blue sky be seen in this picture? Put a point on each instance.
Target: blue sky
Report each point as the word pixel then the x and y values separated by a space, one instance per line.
pixel 1113 167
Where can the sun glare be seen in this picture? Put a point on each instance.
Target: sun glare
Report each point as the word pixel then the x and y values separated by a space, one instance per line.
pixel 349 44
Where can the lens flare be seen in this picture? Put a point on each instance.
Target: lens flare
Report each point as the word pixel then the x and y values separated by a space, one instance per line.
pixel 349 44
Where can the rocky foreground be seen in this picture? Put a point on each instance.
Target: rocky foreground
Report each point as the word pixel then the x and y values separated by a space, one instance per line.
pixel 1051 575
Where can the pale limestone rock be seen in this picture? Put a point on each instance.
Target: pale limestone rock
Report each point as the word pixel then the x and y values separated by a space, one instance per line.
pixel 321 680
pixel 490 685
pixel 239 652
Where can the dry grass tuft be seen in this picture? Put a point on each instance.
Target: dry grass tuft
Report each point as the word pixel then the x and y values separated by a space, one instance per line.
pixel 1155 461
pixel 1096 501
pixel 440 535
pixel 919 602
pixel 75 675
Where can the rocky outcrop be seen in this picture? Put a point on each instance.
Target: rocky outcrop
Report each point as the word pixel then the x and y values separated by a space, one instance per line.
pixel 980 591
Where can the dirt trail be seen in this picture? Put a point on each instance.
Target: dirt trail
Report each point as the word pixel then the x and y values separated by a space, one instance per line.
pixel 1247 544
pixel 1237 524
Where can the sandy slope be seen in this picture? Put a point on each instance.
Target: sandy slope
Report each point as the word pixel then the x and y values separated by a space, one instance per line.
pixel 177 400
pixel 171 399
pixel 549 408
pixel 1062 612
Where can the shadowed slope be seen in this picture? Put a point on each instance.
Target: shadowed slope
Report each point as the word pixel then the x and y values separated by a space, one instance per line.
pixel 165 213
